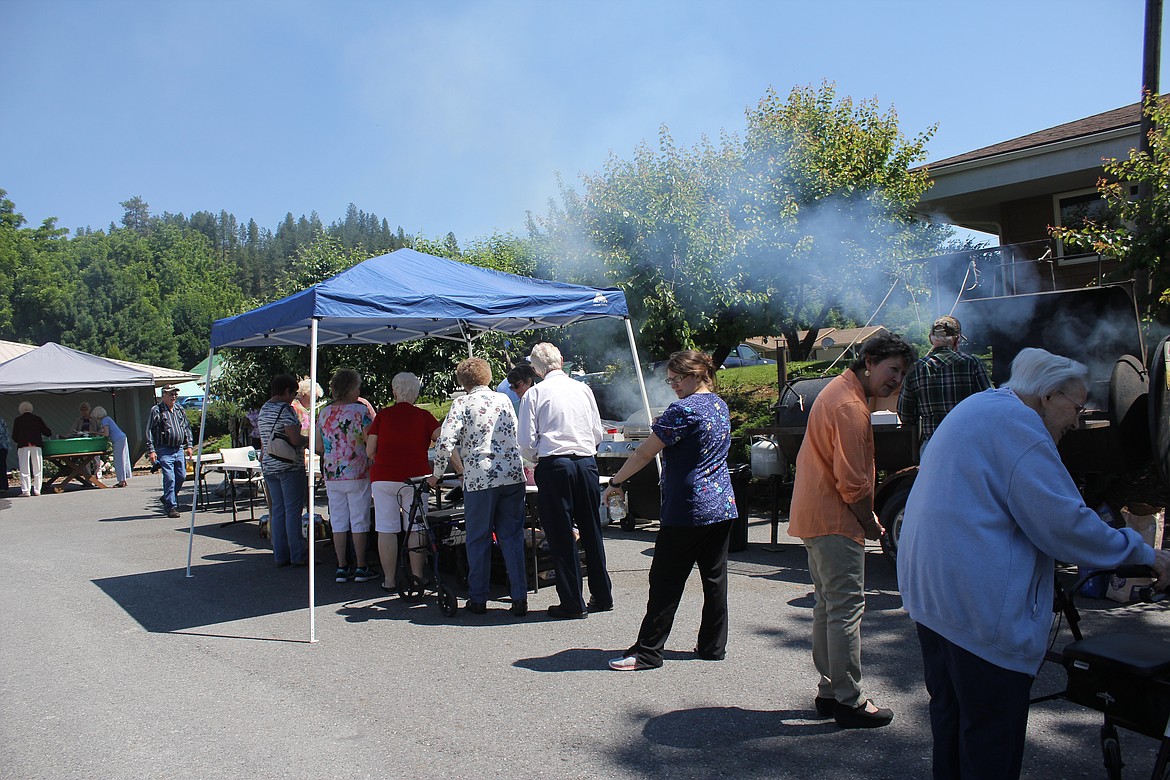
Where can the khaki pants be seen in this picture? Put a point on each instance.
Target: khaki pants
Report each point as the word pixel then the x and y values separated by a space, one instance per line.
pixel 837 566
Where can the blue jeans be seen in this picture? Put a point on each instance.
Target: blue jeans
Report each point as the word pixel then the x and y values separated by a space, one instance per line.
pixel 499 509
pixel 286 491
pixel 173 466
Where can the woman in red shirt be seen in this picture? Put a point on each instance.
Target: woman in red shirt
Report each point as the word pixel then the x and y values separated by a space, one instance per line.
pixel 397 444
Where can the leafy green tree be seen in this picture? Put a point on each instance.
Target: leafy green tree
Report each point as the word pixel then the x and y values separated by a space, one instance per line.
pixel 137 216
pixel 1136 231
pixel 807 215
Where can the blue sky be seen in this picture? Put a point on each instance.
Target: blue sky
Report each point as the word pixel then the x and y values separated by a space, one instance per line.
pixel 457 116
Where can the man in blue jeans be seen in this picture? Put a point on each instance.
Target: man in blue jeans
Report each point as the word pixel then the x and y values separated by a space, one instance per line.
pixel 168 437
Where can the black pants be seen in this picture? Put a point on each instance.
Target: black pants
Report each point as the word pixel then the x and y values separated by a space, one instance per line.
pixel 3 470
pixel 978 712
pixel 676 551
pixel 568 490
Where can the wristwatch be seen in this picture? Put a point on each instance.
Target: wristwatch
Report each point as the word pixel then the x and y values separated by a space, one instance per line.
pixel 614 484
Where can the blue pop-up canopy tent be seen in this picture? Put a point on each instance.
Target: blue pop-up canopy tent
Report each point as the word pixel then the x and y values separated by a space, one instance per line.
pixel 408 295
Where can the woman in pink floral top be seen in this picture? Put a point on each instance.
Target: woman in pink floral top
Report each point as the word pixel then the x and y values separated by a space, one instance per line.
pixel 341 439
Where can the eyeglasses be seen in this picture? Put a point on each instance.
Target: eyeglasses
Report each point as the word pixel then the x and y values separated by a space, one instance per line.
pixel 674 381
pixel 1079 407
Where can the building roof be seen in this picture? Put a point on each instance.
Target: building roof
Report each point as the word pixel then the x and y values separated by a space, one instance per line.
pixel 841 337
pixel 975 189
pixel 1118 118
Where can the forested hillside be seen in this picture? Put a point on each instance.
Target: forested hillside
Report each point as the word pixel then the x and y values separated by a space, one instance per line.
pixel 149 288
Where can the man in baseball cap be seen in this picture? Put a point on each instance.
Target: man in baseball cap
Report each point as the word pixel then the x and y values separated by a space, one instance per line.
pixel 940 380
pixel 168 438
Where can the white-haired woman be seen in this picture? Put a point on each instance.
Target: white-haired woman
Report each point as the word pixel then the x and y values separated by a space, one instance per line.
pixel 308 393
pixel 28 432
pixel 397 444
pixel 105 425
pixel 992 509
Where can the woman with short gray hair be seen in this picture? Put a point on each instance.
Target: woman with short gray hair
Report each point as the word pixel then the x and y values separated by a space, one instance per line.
pixel 992 509
pixel 397 443
pixel 105 425
pixel 28 432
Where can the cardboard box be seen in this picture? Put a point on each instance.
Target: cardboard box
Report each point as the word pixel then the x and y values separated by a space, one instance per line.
pixel 1149 521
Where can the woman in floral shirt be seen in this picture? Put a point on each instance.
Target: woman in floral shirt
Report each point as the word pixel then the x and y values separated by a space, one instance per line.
pixel 341 438
pixel 481 427
pixel 698 505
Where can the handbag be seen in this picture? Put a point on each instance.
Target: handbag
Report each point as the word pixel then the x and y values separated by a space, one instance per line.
pixel 281 449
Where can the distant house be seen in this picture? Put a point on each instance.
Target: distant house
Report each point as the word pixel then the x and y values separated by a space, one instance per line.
pixel 1018 189
pixel 830 343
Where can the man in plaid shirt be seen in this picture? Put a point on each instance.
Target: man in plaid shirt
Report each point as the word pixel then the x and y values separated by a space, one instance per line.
pixel 937 382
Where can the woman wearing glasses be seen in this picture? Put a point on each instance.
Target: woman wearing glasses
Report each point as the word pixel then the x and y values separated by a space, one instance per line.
pixel 698 505
pixel 992 508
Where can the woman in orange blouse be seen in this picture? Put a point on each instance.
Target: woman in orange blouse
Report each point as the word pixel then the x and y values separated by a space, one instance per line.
pixel 832 512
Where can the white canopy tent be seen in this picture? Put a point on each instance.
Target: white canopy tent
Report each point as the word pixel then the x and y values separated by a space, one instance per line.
pixel 402 296
pixel 55 378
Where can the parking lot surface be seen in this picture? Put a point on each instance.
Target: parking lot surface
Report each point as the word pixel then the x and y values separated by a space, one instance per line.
pixel 115 664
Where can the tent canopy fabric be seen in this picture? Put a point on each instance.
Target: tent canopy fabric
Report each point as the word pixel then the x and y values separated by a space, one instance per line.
pixel 407 295
pixel 57 369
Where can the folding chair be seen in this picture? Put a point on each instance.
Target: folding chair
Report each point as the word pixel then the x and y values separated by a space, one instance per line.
pixel 241 464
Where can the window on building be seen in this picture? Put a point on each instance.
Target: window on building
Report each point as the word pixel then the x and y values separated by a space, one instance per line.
pixel 1075 209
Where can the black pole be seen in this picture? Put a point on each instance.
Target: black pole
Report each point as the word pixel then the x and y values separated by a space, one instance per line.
pixel 1151 57
pixel 1151 60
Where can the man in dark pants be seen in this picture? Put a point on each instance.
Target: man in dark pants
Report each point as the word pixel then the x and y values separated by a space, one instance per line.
pixel 168 437
pixel 560 429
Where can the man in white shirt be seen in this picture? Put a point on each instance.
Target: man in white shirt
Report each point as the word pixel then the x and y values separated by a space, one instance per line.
pixel 560 429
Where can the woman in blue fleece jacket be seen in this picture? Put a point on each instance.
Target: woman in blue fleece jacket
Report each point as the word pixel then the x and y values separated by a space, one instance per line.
pixel 992 509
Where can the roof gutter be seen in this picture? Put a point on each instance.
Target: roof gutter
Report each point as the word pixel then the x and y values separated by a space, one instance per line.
pixel 1033 151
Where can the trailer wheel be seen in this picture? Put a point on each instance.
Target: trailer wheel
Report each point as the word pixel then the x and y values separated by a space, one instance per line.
pixel 891 519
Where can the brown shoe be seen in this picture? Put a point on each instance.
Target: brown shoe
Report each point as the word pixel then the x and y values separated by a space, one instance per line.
pixel 172 512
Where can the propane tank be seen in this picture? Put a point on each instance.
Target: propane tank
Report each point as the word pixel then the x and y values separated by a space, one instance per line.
pixel 767 459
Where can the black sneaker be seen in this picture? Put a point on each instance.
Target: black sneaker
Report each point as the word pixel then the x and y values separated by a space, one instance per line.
pixel 341 574
pixel 519 608
pixel 364 574
pixel 476 607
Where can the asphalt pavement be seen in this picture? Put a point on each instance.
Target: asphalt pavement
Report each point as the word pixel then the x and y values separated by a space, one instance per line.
pixel 115 664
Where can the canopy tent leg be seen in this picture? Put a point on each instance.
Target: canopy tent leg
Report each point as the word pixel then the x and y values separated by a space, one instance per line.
pixel 312 478
pixel 641 385
pixel 199 458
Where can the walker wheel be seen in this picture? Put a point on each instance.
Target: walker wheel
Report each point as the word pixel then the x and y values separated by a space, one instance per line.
pixel 1111 752
pixel 448 604
pixel 411 589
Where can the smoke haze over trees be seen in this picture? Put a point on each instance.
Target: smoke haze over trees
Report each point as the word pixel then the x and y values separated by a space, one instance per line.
pixel 804 221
